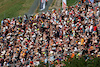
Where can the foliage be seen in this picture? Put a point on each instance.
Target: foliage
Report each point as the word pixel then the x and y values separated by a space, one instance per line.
pixel 82 63
pixel 77 62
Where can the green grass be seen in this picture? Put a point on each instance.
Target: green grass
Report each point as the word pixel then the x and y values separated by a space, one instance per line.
pixel 71 2
pixel 14 8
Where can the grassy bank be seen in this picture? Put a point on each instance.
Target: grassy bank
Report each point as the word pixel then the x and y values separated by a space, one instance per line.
pixel 13 8
pixel 71 2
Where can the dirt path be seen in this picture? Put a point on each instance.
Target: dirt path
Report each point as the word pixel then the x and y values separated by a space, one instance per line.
pixel 48 5
pixel 35 5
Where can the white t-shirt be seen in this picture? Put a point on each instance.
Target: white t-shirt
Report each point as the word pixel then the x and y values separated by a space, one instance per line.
pixel 66 12
pixel 98 13
pixel 91 27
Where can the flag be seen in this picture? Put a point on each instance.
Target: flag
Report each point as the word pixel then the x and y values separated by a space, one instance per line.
pixel 42 4
pixel 64 4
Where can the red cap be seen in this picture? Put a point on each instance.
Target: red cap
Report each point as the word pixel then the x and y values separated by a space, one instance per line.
pixel 31 62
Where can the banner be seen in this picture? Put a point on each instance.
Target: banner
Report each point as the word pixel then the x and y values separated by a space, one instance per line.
pixel 42 4
pixel 64 4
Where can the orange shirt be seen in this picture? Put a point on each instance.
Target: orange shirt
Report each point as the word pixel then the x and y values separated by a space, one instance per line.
pixel 84 0
pixel 82 41
pixel 72 55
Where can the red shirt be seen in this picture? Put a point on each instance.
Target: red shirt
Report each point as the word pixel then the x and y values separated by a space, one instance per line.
pixel 95 28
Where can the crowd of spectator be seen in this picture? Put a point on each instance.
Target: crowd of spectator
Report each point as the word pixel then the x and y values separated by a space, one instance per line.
pixel 51 36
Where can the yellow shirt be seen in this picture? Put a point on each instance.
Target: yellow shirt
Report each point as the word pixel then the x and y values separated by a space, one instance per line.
pixel 23 54
pixel 82 41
